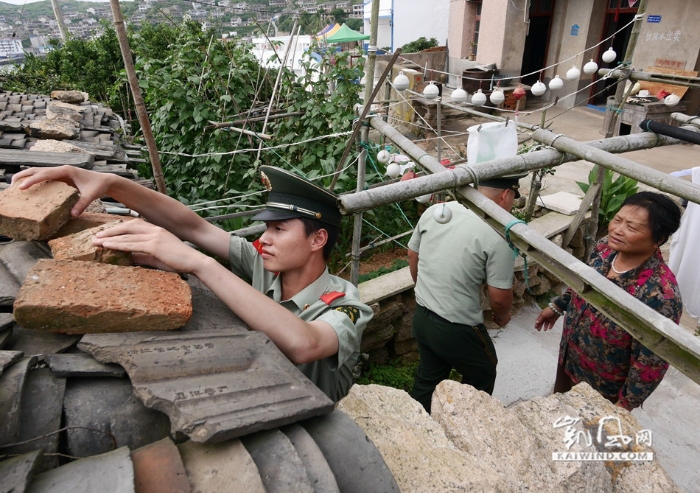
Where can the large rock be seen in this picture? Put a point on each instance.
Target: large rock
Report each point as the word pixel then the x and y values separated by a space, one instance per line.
pixel 520 442
pixel 415 447
pixel 38 212
pixel 58 129
pixel 64 111
pixel 50 145
pixel 473 443
pixel 86 297
pixel 70 96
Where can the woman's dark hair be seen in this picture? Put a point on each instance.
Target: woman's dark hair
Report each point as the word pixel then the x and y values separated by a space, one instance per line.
pixel 311 226
pixel 664 214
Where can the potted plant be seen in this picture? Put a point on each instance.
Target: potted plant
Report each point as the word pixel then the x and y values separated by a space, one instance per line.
pixel 472 55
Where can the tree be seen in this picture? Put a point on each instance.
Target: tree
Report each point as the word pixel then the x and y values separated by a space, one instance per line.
pixel 339 15
pixel 356 24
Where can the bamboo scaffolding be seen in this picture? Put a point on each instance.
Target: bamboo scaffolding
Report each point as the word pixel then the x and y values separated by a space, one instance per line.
pixel 658 333
pixel 644 174
pixel 676 80
pixel 465 173
pixel 138 98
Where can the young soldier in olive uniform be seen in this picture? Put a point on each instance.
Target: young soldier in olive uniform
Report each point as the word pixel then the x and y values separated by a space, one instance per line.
pixel 330 299
pixel 449 263
pixel 314 318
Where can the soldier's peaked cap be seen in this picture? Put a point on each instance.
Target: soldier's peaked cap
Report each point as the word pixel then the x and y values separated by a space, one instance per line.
pixel 291 196
pixel 505 182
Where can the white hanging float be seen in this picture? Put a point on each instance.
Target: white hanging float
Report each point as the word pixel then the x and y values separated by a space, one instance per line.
pixel 443 214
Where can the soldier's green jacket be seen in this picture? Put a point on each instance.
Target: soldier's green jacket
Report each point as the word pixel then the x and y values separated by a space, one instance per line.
pixel 346 314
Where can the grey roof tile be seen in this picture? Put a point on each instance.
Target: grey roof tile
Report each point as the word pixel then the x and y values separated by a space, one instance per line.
pixel 281 468
pixel 81 365
pixel 5 336
pixel 317 467
pixel 17 472
pixel 11 386
pixel 102 405
pixel 348 450
pixel 223 466
pixel 8 358
pixel 112 472
pixel 39 342
pixel 42 408
pixel 214 378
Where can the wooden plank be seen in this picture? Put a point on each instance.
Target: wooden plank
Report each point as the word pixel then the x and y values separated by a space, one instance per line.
pixel 551 224
pixel 655 87
pixel 585 205
pixel 45 159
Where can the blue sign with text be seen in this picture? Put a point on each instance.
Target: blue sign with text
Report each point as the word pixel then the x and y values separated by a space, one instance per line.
pixel 654 18
pixel 574 30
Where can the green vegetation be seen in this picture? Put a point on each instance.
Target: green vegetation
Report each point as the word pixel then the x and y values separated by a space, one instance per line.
pixel 395 374
pixel 396 265
pixel 614 193
pixel 419 44
pixel 190 79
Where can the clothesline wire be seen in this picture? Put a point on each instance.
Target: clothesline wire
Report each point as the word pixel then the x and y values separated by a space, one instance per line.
pixel 536 71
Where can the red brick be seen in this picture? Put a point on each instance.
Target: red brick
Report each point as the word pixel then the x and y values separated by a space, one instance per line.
pixel 87 297
pixel 79 246
pixel 87 220
pixel 36 213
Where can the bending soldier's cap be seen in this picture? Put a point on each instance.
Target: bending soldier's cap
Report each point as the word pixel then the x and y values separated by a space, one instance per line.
pixel 291 196
pixel 505 182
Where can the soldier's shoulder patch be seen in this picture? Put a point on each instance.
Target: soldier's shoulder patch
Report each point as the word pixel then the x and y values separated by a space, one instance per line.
pixel 352 312
pixel 330 297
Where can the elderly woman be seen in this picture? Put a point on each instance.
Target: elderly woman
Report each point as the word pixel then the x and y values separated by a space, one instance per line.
pixel 593 348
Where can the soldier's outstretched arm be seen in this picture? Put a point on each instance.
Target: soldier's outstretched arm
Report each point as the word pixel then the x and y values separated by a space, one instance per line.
pixel 157 208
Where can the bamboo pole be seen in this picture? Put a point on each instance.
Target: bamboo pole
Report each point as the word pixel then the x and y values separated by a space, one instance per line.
pixel 439 129
pixel 138 98
pixel 676 80
pixel 370 94
pixel 276 86
pixel 657 179
pixel 365 111
pixel 243 121
pixel 658 333
pixel 58 14
pixel 618 103
pixel 465 174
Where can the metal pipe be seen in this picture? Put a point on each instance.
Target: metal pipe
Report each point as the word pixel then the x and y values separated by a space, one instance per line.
pixel 670 131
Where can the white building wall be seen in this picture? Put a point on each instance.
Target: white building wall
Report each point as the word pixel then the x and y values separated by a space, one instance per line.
pixel 9 47
pixel 403 21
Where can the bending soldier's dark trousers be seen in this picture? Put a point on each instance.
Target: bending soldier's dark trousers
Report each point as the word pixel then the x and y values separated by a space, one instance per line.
pixel 444 345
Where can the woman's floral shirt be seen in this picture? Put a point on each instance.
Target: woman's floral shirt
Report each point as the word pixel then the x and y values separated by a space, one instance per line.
pixel 594 349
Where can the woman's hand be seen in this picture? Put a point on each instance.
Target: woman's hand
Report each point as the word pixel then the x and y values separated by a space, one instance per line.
pixel 546 319
pixel 91 185
pixel 151 245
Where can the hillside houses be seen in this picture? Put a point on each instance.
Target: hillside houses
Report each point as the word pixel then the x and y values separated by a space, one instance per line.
pixel 34 32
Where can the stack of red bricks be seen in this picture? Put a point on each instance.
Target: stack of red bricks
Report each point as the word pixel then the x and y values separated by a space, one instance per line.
pixel 85 288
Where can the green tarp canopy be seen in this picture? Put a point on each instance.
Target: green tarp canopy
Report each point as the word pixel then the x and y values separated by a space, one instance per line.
pixel 346 35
